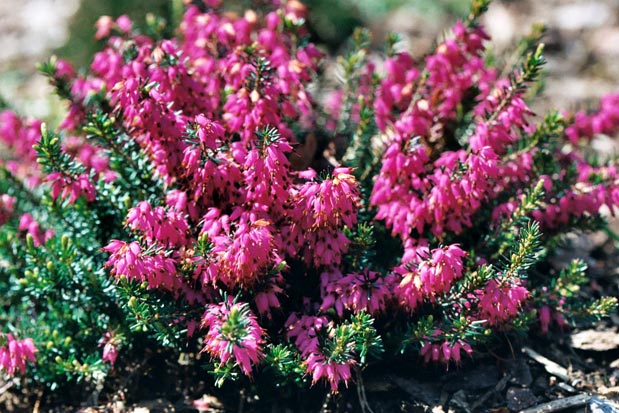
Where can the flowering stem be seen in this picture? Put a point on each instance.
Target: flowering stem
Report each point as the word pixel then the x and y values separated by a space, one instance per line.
pixel 529 72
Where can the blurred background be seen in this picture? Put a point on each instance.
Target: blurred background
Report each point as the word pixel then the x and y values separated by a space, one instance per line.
pixel 582 40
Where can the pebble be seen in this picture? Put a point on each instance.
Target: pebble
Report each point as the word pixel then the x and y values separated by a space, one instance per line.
pixel 519 398
pixel 582 15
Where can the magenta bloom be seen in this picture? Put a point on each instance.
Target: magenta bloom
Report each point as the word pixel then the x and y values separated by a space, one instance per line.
pixel 429 277
pixel 14 354
pixel 368 290
pixel 168 227
pixel 196 136
pixel 71 187
pixel 303 331
pixel 605 120
pixel 501 301
pixel 445 352
pixel 321 210
pixel 234 334
pixel 131 261
pixel 319 368
pixel 28 224
pixel 110 348
pixel 7 204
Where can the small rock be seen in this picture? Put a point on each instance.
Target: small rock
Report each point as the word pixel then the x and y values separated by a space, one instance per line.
pixel 116 406
pixel 582 15
pixel 459 401
pixel 207 403
pixel 605 41
pixel 592 340
pixel 500 24
pixel 599 405
pixel 153 406
pixel 520 372
pixel 519 398
pixel 414 407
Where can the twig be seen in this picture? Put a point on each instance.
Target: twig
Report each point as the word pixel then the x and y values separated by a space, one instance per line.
pixel 559 404
pixel 37 404
pixel 7 386
pixel 363 401
pixel 550 366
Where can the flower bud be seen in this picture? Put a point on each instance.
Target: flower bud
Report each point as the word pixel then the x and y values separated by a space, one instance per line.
pixel 29 241
pixel 65 242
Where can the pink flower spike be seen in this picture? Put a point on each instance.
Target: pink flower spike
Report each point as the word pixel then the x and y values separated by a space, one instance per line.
pixel 15 354
pixel 110 343
pixel 233 334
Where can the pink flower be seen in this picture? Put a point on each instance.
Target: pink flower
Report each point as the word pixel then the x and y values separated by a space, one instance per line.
pixel 605 120
pixel 321 210
pixel 444 352
pixel 501 301
pixel 7 204
pixel 168 227
pixel 14 354
pixel 19 135
pixel 104 27
pixel 156 268
pixel 429 277
pixel 368 290
pixel 242 253
pixel 31 226
pixel 266 297
pixel 64 186
pixel 303 330
pixel 234 334
pixel 320 368
pixel 544 314
pixel 124 23
pixel 110 347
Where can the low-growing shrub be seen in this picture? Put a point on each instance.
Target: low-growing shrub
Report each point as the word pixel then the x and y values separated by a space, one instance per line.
pixel 214 195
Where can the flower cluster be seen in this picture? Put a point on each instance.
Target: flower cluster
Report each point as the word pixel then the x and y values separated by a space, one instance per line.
pixel 19 136
pixel 7 204
pixel 29 226
pixel 429 278
pixel 305 332
pixel 445 352
pixel 233 334
pixel 110 348
pixel 15 354
pixel 604 121
pixel 499 302
pixel 173 205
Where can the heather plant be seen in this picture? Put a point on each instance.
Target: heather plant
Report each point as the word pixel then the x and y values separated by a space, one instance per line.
pixel 179 207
